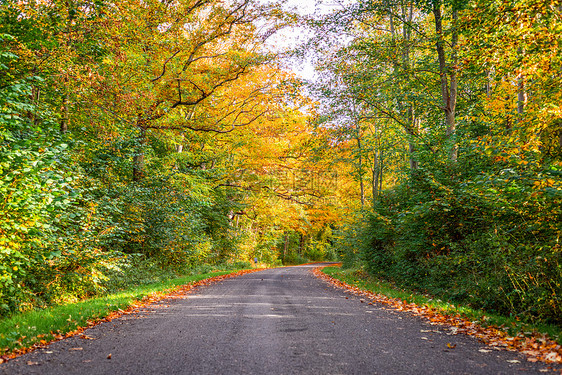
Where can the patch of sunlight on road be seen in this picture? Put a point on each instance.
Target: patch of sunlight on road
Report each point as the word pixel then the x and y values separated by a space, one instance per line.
pixel 260 296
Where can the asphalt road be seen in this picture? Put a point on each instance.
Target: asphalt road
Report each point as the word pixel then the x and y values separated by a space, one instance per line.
pixel 279 321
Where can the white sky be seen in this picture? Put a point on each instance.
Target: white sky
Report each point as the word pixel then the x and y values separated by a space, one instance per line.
pixel 294 36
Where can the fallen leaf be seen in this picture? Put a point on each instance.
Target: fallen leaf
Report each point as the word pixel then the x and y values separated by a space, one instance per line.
pixel 75 349
pixel 532 359
pixel 109 356
pixel 451 346
pixel 513 361
pixel 31 363
pixel 533 344
pixel 552 357
pixel 86 337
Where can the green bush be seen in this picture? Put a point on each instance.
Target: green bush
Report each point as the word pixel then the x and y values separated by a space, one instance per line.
pixel 492 245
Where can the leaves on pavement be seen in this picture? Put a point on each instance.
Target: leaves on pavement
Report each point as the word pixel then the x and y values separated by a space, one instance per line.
pixel 538 347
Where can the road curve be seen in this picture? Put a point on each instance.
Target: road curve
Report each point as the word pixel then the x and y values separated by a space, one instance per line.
pixel 278 321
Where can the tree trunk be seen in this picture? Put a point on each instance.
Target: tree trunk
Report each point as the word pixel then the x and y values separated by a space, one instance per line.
pixel 488 84
pixel 413 162
pixel 375 178
pixel 412 146
pixel 407 15
pixel 138 159
pixel 179 145
pixel 521 95
pixel 380 173
pixel 360 168
pixel 448 89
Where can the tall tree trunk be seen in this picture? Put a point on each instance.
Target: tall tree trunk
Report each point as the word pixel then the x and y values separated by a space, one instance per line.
pixel 521 95
pixel 448 89
pixel 413 162
pixel 360 168
pixel 138 159
pixel 407 15
pixel 381 170
pixel 375 177
pixel 412 146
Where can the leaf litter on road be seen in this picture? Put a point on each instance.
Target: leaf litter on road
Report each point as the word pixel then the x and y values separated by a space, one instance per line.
pixel 173 293
pixel 536 346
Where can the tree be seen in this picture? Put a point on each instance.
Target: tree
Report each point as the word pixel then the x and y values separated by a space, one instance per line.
pixel 184 60
pixel 468 220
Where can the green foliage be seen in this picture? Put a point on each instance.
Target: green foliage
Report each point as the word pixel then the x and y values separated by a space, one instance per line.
pixel 472 206
pixel 294 258
pixel 486 242
pixel 35 187
pixel 71 221
pixel 118 150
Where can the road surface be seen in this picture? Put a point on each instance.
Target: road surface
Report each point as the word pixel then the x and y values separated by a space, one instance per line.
pixel 278 321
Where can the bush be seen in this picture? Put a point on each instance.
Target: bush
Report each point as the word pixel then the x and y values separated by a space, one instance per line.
pixel 487 245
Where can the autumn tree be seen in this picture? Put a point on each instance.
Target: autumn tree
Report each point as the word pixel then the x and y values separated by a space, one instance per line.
pixel 485 172
pixel 143 132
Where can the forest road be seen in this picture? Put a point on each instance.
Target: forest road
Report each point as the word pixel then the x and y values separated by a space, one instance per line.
pixel 277 321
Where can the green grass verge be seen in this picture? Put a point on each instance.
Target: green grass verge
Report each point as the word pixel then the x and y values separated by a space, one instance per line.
pixel 26 329
pixel 361 279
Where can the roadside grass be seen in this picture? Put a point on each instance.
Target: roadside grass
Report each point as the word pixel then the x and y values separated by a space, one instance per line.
pixel 361 279
pixel 27 329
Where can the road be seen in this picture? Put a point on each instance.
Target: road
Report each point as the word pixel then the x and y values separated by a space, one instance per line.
pixel 278 321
